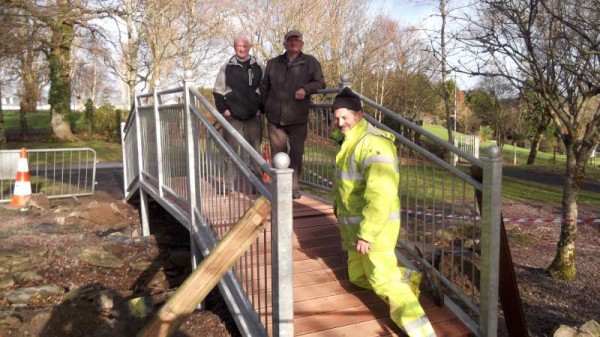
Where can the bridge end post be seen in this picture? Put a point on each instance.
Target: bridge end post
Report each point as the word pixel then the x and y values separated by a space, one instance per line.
pixel 490 241
pixel 281 248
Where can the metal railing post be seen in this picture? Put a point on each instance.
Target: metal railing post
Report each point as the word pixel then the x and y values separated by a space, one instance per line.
pixel 158 135
pixel 281 248
pixel 190 142
pixel 490 242
pixel 345 81
pixel 124 154
pixel 140 159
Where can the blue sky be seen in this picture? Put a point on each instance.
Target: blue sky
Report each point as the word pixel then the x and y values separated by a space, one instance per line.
pixel 419 13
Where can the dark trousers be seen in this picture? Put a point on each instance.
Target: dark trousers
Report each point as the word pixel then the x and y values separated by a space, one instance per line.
pixel 289 139
pixel 251 131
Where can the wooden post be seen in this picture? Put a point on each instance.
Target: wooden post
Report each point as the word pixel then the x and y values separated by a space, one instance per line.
pixel 197 286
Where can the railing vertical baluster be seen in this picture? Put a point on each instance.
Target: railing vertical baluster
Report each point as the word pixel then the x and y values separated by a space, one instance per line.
pixel 158 134
pixel 281 248
pixel 190 141
pixel 140 158
pixel 490 242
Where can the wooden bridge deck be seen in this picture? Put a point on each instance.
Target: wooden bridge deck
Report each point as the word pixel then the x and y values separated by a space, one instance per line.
pixel 325 302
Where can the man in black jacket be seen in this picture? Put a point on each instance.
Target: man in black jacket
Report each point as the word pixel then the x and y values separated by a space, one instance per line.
pixel 237 97
pixel 289 81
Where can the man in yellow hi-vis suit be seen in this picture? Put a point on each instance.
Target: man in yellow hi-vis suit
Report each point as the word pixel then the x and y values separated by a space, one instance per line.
pixel 367 207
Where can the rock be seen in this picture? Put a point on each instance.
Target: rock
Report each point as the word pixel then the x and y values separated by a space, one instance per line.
pixel 565 331
pixel 105 301
pixel 60 220
pixel 103 214
pixel 119 237
pixel 28 275
pixel 158 277
pixel 39 201
pixel 142 265
pixel 591 327
pixel 38 323
pixel 23 295
pixel 100 258
pixel 11 322
pixel 139 306
pixel 6 280
pixel 15 262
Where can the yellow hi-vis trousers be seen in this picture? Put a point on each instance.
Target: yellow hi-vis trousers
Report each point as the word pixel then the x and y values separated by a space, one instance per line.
pixel 379 271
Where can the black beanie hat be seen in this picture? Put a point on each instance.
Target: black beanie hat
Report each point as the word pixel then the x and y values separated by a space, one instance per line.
pixel 347 99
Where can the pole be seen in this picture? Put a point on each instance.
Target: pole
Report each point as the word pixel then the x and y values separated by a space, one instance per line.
pixel 455 108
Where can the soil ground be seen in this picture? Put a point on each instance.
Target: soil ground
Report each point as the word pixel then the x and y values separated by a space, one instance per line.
pixel 547 302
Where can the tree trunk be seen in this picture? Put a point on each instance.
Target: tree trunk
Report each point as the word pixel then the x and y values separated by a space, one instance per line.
pixel 30 90
pixel 132 54
pixel 446 93
pixel 539 134
pixel 2 130
pixel 59 96
pixel 535 146
pixel 563 265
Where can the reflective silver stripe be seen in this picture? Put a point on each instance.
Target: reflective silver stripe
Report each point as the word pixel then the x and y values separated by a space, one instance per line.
pixel 378 159
pixel 394 216
pixel 349 220
pixel 350 176
pixel 417 324
pixel 355 220
pixel 352 161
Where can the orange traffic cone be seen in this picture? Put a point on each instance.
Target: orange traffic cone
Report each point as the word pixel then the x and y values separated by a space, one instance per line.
pixel 267 158
pixel 22 191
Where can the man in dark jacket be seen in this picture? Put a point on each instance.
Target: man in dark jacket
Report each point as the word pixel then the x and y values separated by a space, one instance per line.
pixel 237 97
pixel 289 81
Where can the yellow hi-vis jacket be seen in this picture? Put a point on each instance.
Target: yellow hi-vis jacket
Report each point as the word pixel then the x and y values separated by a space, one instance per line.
pixel 366 200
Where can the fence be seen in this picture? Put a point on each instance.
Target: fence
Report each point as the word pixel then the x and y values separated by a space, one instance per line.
pixel 468 143
pixel 58 173
pixel 441 218
pixel 162 144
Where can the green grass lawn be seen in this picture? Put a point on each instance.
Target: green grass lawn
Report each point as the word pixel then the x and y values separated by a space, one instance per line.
pixel 512 188
pixel 39 122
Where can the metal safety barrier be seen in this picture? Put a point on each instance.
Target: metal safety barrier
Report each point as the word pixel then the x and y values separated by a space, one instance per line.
pixel 57 173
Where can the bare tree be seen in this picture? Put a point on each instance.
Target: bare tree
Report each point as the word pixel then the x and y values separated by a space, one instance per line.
pixel 549 47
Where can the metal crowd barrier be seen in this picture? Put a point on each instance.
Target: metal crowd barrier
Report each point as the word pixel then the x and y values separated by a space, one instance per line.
pixel 174 153
pixel 441 220
pixel 57 173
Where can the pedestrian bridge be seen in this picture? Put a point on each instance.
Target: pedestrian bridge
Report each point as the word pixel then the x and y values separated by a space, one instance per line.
pixel 292 280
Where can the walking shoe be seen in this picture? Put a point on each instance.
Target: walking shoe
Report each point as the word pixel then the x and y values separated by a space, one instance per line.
pixel 296 193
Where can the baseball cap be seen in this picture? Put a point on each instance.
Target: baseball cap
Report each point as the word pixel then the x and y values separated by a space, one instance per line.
pixel 291 33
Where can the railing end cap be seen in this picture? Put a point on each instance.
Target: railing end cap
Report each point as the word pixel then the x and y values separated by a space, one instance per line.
pixel 494 152
pixel 281 160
